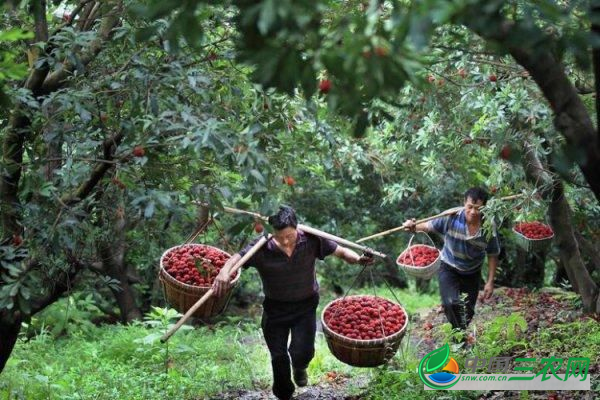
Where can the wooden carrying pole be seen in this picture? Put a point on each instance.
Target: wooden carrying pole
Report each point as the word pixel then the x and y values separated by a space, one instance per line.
pixel 315 232
pixel 443 214
pixel 400 228
pixel 210 292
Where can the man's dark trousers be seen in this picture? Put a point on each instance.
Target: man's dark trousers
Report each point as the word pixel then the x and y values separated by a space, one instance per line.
pixel 452 285
pixel 279 320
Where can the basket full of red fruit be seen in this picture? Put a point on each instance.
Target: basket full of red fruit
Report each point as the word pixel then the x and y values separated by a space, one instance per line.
pixel 363 330
pixel 533 236
pixel 188 271
pixel 421 261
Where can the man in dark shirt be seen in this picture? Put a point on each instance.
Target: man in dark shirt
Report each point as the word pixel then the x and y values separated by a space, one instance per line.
pixel 286 265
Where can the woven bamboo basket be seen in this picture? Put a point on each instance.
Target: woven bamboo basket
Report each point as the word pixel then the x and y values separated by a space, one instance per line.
pixel 421 272
pixel 362 353
pixel 531 245
pixel 182 296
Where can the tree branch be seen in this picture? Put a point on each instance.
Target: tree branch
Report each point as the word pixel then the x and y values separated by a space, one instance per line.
pixel 594 15
pixel 84 7
pixel 57 78
pixel 110 146
pixel 61 285
pixel 39 16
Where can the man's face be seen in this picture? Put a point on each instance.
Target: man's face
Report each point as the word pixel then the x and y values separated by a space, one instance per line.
pixel 473 210
pixel 286 236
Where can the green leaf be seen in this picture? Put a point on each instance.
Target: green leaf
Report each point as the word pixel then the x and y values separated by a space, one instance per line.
pixel 259 177
pixel 438 358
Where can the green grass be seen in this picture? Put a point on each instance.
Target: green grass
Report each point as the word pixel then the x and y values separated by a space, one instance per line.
pixel 128 362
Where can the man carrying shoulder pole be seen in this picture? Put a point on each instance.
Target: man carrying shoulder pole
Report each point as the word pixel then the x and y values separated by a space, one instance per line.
pixel 465 248
pixel 286 266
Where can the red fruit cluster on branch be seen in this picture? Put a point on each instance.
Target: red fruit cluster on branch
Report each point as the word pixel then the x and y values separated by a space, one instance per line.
pixel 138 151
pixel 194 264
pixel 325 86
pixel 17 240
pixel 364 318
pixel 289 180
pixel 419 256
pixel 534 230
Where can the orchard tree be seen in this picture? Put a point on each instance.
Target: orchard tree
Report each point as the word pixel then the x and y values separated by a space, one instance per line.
pixel 108 142
pixel 108 137
pixel 360 54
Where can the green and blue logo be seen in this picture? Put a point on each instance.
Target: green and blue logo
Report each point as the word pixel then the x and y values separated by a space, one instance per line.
pixel 443 369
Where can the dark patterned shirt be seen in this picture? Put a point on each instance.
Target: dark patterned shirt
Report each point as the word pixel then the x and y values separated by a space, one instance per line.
pixel 289 278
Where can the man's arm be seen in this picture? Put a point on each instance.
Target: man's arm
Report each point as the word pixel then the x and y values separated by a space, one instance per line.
pixel 351 256
pixel 488 289
pixel 413 227
pixel 221 283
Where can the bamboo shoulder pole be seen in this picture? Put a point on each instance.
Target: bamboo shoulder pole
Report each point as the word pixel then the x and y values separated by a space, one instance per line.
pixel 209 293
pixel 315 232
pixel 511 197
pixel 402 227
pixel 340 240
pixel 238 211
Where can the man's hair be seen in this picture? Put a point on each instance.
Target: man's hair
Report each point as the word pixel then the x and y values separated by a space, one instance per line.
pixel 285 217
pixel 476 194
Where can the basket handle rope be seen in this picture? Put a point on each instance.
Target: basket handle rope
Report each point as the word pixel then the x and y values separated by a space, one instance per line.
pixel 378 308
pixel 198 231
pixel 226 243
pixel 350 288
pixel 407 333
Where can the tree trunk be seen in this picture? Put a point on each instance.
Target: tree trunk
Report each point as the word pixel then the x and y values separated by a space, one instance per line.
pixel 560 219
pixel 113 254
pixel 19 130
pixel 590 250
pixel 125 297
pixel 9 332
pixel 422 285
pixel 559 211
pixel 529 270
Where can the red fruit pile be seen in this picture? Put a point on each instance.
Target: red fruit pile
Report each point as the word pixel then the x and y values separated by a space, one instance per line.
pixel 364 317
pixel 418 256
pixel 534 230
pixel 194 264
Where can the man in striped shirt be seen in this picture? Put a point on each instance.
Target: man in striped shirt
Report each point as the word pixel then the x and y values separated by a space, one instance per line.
pixel 466 245
pixel 286 265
